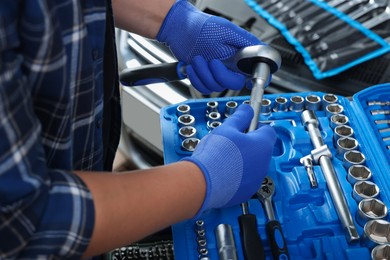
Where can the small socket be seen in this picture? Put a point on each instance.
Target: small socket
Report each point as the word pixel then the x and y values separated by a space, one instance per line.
pixel 187 132
pixel 186 120
pixel 333 109
pixel 214 116
pixel 190 144
pixel 213 124
pixel 338 120
pixel 353 158
pixel 358 173
pixel 369 209
pixel 266 106
pixel 183 110
pixel 280 104
pixel 365 190
pixel 376 232
pixel 328 99
pixel 297 103
pixel 212 106
pixel 313 102
pixel 342 131
pixel 381 252
pixel 345 144
pixel 231 107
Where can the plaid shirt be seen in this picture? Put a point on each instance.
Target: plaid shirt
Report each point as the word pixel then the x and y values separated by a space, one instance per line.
pixel 52 121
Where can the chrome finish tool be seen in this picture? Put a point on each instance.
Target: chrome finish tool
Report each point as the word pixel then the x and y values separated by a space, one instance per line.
pixel 273 227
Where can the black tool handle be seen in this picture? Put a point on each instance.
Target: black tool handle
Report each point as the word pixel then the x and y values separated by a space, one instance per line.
pixel 152 73
pixel 250 239
pixel 277 240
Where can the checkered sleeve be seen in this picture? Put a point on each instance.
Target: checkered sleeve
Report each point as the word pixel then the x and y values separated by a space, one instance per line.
pixel 44 213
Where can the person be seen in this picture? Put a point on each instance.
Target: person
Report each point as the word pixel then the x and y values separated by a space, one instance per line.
pixel 60 118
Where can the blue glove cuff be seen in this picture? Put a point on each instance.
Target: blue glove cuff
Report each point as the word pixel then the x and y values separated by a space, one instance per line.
pixel 221 188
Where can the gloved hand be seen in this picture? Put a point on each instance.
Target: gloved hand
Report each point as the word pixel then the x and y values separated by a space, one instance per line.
pixel 202 41
pixel 234 163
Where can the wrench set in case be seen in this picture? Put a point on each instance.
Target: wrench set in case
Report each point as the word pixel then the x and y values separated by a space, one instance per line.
pixel 327 188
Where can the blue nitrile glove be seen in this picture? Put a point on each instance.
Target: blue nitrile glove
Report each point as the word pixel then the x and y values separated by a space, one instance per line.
pixel 202 41
pixel 234 163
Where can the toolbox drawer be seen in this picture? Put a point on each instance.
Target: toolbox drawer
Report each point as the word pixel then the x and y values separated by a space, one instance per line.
pixel 304 207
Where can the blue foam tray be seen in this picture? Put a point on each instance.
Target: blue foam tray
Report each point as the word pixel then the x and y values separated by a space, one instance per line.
pixel 308 218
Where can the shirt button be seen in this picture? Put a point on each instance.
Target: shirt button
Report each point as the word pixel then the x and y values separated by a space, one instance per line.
pixel 95 54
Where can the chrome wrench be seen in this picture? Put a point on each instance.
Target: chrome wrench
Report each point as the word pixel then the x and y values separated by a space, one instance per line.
pixel 273 227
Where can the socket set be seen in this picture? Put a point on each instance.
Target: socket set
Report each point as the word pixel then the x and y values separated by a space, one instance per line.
pixel 326 188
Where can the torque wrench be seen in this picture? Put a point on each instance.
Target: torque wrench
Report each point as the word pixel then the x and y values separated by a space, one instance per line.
pixel 273 227
pixel 309 120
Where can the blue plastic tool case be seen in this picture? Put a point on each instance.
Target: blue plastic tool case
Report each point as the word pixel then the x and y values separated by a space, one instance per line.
pixel 309 221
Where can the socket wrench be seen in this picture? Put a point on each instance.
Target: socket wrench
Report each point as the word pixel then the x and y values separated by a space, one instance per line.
pixel 309 120
pixel 273 227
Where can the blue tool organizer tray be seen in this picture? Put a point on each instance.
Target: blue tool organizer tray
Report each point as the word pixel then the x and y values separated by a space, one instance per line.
pixel 309 221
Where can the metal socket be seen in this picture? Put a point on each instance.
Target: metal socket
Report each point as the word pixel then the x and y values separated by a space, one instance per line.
pixel 214 116
pixel 358 173
pixel 297 103
pixel 187 132
pixel 231 107
pixel 376 232
pixel 313 102
pixel 333 109
pixel 353 158
pixel 213 124
pixel 248 102
pixel 186 120
pixel 266 106
pixel 225 242
pixel 280 104
pixel 212 106
pixel 338 120
pixel 189 144
pixel 345 144
pixel 370 209
pixel 365 190
pixel 183 109
pixel 342 131
pixel 328 99
pixel 381 252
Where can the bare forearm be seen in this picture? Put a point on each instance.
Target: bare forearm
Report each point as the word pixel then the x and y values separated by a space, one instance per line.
pixel 133 205
pixel 142 17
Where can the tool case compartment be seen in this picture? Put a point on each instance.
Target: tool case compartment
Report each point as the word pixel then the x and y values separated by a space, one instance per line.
pixel 309 221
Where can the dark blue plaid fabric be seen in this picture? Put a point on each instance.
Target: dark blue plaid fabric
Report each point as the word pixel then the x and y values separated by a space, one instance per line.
pixel 51 123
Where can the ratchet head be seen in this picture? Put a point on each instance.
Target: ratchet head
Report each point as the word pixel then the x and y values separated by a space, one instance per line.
pixel 247 58
pixel 266 190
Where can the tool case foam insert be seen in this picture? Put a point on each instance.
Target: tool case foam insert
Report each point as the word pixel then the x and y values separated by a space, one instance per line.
pixel 310 224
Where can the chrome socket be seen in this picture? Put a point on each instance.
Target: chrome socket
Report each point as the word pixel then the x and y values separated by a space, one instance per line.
pixel 190 144
pixel 345 144
pixel 214 116
pixel 248 102
pixel 376 232
pixel 213 125
pixel 266 108
pixel 183 110
pixel 187 132
pixel 212 106
pixel 225 242
pixel 280 104
pixel 342 131
pixel 333 109
pixel 358 173
pixel 328 99
pixel 313 102
pixel 338 120
pixel 370 209
pixel 231 107
pixel 353 158
pixel 381 252
pixel 365 190
pixel 186 120
pixel 297 103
